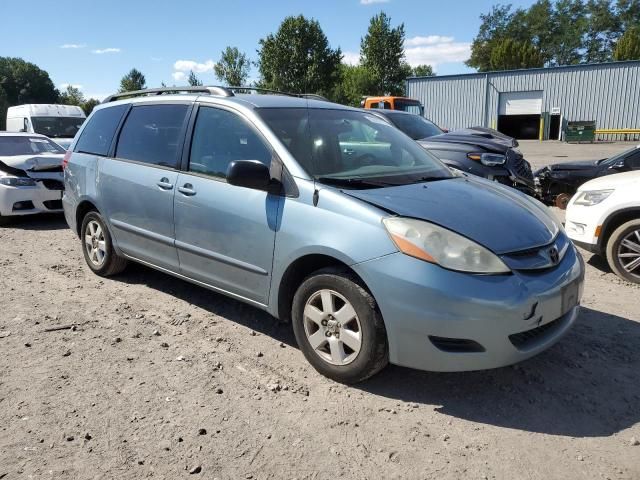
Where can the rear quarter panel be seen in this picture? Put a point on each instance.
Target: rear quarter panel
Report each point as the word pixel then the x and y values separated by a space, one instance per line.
pixel 80 179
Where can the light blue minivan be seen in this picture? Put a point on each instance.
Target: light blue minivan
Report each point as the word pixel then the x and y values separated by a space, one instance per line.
pixel 325 216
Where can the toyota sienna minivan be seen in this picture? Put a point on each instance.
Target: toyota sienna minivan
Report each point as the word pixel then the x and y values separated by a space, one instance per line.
pixel 325 216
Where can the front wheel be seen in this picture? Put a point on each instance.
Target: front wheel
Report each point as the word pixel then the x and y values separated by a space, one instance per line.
pixel 98 248
pixel 338 327
pixel 623 251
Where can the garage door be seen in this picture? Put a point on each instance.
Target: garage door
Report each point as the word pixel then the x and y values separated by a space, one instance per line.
pixel 520 103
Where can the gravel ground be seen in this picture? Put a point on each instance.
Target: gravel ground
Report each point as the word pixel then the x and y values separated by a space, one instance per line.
pixel 161 378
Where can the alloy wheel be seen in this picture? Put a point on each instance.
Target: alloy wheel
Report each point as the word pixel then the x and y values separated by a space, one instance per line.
pixel 629 253
pixel 332 327
pixel 95 244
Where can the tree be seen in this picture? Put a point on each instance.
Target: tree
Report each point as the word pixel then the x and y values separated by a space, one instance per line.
pixel 134 80
pixel 298 58
pixel 628 47
pixel 510 54
pixel 603 29
pixel 570 27
pixel 193 80
pixel 233 67
pixel 494 26
pixel 423 71
pixel 23 82
pixel 382 53
pixel 355 83
pixel 71 96
pixel 89 105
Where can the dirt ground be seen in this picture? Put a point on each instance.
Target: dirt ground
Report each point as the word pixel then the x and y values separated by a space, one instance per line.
pixel 161 377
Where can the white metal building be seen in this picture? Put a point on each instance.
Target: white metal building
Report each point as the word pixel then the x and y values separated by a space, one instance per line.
pixel 534 103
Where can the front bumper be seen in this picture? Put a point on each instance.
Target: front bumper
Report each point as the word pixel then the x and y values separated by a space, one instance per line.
pixel 29 200
pixel 440 320
pixel 581 225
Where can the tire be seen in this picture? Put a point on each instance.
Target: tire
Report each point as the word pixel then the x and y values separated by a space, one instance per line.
pixel 350 346
pixel 621 254
pixel 4 221
pixel 99 254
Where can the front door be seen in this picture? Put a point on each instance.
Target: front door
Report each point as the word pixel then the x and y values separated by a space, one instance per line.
pixel 137 187
pixel 225 234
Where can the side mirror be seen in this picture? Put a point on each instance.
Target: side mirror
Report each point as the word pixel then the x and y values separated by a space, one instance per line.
pixel 619 165
pixel 252 174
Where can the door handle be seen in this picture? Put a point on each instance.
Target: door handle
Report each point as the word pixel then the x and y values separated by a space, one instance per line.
pixel 187 189
pixel 164 184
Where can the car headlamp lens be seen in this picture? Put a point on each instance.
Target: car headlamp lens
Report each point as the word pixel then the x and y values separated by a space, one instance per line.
pixel 443 247
pixel 592 197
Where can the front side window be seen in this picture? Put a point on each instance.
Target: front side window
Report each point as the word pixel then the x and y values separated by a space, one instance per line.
pixel 151 134
pixel 221 137
pixel 58 127
pixel 336 145
pixel 97 135
pixel 13 146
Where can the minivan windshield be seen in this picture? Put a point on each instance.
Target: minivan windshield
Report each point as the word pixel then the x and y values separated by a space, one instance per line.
pixel 352 148
pixel 60 127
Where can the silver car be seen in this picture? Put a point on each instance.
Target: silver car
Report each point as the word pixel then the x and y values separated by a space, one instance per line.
pixel 325 216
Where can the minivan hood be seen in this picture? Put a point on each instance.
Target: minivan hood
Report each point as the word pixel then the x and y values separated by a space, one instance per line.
pixel 33 162
pixel 497 217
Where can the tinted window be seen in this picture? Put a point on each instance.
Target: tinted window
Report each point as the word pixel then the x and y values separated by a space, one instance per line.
pixel 414 126
pixel 151 134
pixel 219 138
pixel 633 160
pixel 98 133
pixel 61 127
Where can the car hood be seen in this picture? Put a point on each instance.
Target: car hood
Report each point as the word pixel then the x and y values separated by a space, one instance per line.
pixel 33 163
pixel 581 165
pixel 476 140
pixel 497 217
pixel 625 179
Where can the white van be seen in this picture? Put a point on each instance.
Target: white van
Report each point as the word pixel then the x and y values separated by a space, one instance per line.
pixel 58 122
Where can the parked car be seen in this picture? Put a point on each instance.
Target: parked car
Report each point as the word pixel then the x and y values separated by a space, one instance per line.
pixel 476 151
pixel 58 122
pixel 31 178
pixel 326 216
pixel 557 183
pixel 389 102
pixel 603 217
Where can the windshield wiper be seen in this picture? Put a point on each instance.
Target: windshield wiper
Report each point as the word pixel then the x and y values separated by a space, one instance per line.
pixel 353 182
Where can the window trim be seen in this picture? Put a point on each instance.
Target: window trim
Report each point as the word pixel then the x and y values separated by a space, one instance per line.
pixel 181 135
pixel 186 151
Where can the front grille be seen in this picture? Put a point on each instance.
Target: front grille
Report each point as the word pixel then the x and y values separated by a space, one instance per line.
pixel 51 184
pixel 519 166
pixel 456 345
pixel 53 204
pixel 526 339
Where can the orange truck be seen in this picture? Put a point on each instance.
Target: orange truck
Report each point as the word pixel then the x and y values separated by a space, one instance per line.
pixel 394 103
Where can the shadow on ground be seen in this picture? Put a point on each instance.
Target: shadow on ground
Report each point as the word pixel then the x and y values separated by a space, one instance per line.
pixel 585 386
pixel 47 221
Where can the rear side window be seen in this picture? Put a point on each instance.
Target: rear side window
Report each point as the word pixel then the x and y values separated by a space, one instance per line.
pixel 98 134
pixel 151 134
pixel 219 138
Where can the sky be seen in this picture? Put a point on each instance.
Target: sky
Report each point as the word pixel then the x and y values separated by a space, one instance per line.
pixel 91 44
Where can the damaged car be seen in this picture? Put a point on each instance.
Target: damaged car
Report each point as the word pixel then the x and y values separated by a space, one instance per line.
pixel 31 179
pixel 479 151
pixel 556 184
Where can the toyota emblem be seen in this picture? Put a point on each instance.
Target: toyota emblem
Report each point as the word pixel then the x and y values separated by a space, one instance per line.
pixel 554 255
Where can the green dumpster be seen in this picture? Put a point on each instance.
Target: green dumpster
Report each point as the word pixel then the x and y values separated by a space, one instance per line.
pixel 580 132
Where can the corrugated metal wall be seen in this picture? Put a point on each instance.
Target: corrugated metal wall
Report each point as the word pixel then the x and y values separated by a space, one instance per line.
pixel 607 93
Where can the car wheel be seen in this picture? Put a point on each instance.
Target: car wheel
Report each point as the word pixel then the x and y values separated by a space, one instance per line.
pixel 4 221
pixel 98 248
pixel 338 326
pixel 623 251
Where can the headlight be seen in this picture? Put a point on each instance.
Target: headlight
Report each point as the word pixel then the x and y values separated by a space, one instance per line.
pixel 438 245
pixel 592 197
pixel 17 182
pixel 488 159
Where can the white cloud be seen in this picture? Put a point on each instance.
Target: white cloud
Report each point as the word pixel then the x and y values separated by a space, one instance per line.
pixel 190 65
pixel 350 58
pixel 179 76
pixel 64 86
pixel 371 2
pixel 435 50
pixel 100 51
pixel 72 45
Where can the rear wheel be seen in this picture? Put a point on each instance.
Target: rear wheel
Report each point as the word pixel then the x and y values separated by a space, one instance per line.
pixel 98 248
pixel 623 251
pixel 338 326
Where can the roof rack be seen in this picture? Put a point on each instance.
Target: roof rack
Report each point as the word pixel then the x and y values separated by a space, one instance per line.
pixel 211 90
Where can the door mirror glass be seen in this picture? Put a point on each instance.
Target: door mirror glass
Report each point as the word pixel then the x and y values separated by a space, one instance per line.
pixel 252 174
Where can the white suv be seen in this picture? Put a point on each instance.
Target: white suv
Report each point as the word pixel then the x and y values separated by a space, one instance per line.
pixel 604 218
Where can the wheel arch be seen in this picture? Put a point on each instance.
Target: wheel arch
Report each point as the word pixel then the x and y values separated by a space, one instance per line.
pixel 613 221
pixel 84 207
